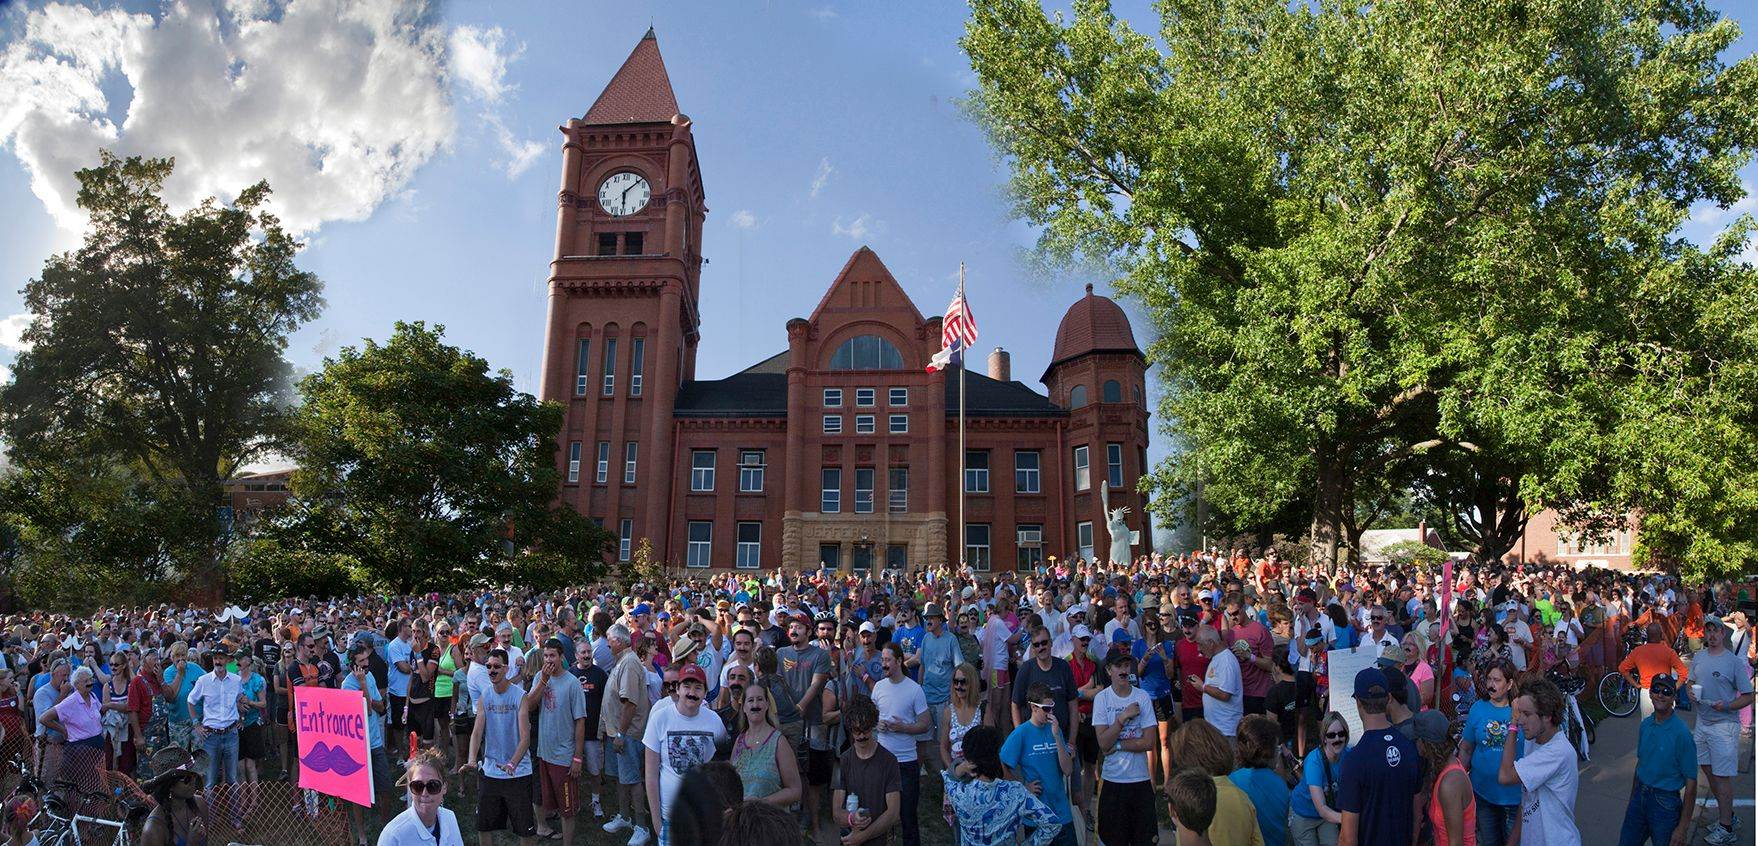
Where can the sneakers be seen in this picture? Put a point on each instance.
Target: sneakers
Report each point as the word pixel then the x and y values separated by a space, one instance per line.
pixel 618 823
pixel 1720 835
pixel 597 808
pixel 642 836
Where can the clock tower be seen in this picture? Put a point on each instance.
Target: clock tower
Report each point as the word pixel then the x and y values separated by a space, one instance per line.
pixel 623 292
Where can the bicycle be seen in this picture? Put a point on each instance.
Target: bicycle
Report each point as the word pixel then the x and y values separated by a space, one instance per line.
pixel 63 826
pixel 1577 726
pixel 1617 696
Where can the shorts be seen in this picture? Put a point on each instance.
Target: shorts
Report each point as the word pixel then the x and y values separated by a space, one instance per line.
pixel 594 755
pixel 395 717
pixel 936 719
pixel 795 732
pixel 1086 742
pixel 504 804
pixel 819 763
pixel 421 719
pixel 557 788
pixel 625 765
pixel 1192 712
pixel 1718 746
pixel 1163 711
pixel 1127 814
pixel 251 746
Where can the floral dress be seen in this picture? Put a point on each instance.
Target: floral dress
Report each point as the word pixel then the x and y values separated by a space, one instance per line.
pixel 955 732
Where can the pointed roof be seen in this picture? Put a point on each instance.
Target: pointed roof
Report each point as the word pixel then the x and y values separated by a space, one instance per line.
pixel 640 92
pixel 865 283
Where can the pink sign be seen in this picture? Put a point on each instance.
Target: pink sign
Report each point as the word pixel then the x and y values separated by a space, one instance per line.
pixel 334 755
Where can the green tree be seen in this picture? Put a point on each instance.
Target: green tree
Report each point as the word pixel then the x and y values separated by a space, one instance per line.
pixel 157 351
pixel 1370 236
pixel 429 472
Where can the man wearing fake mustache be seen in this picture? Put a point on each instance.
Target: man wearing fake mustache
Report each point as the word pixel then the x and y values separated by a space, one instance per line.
pixel 678 740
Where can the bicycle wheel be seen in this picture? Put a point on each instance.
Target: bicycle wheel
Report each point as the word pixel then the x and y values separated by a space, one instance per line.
pixel 1616 695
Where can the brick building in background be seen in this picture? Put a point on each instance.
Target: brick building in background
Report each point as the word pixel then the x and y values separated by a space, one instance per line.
pixel 842 449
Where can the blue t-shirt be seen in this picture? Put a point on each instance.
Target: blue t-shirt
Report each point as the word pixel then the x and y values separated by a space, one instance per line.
pixel 1031 751
pixel 909 638
pixel 940 656
pixel 1312 774
pixel 179 712
pixel 1270 796
pixel 375 727
pixel 1486 727
pixel 251 689
pixel 396 680
pixel 1347 638
pixel 1666 755
pixel 1379 782
pixel 1154 680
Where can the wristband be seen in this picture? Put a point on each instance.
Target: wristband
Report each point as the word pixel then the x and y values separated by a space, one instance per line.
pixel 577 759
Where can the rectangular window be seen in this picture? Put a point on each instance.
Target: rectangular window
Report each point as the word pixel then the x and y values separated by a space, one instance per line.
pixel 830 500
pixel 1031 546
pixel 832 397
pixel 629 463
pixel 976 471
pixel 1083 540
pixel 897 490
pixel 830 555
pixel 900 424
pixel 637 365
pixel 863 490
pixel 750 551
pixel 625 538
pixel 900 397
pixel 610 366
pixel 1026 473
pixel 751 471
pixel 701 543
pixel 976 546
pixel 865 424
pixel 582 376
pixel 702 470
pixel 863 557
pixel 1114 465
pixel 1083 471
pixel 632 243
pixel 897 556
pixel 601 473
pixel 832 424
pixel 866 397
pixel 607 243
pixel 574 461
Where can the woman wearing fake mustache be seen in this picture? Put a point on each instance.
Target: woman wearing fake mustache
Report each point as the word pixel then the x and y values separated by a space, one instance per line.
pixel 769 769
pixel 426 822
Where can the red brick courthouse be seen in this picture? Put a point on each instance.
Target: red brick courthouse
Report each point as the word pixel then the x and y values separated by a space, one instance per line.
pixel 839 449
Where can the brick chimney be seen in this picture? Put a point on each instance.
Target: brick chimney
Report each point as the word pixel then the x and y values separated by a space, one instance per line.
pixel 1000 365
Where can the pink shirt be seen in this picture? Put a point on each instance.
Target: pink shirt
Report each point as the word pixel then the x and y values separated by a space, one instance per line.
pixel 1253 678
pixel 81 717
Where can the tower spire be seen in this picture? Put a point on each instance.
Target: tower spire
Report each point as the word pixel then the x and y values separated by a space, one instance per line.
pixel 640 92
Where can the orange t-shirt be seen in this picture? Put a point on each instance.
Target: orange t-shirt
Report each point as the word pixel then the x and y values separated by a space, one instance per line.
pixel 1693 623
pixel 1652 659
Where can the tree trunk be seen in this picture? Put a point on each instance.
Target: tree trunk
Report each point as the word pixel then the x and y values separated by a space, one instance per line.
pixel 1327 510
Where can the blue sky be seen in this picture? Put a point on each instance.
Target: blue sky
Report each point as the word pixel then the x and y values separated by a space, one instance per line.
pixel 820 128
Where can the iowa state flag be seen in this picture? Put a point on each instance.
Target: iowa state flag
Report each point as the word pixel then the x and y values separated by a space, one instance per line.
pixel 958 330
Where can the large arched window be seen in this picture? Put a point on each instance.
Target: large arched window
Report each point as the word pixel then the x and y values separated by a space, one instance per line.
pixel 1112 391
pixel 866 352
pixel 1077 397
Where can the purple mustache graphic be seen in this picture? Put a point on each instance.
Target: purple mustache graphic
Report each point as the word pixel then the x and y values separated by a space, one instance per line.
pixel 326 758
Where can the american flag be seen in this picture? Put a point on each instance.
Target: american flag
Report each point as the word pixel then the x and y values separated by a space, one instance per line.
pixel 958 329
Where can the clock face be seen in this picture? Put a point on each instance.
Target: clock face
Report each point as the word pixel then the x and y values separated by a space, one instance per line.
pixel 623 193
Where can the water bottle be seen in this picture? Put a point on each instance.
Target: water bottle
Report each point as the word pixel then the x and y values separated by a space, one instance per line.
pixel 851 805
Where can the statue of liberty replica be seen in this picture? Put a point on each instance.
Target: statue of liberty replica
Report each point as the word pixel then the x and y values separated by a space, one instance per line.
pixel 1117 525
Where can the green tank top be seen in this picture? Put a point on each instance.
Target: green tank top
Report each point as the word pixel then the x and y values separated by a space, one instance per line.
pixel 442 682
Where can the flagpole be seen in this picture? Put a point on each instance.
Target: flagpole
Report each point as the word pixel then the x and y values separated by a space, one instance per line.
pixel 962 544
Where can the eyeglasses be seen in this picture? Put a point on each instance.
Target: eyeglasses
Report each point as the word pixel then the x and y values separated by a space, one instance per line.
pixel 433 786
pixel 496 667
pixel 1336 735
pixel 1040 643
pixel 1379 618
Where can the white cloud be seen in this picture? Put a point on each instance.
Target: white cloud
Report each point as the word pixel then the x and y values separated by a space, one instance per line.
pixel 858 228
pixel 1709 215
pixel 822 13
pixel 12 331
pixel 517 155
pixel 5 374
pixel 480 59
pixel 822 177
pixel 743 219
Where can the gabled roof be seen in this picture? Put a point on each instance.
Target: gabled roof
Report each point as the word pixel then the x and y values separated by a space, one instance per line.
pixel 641 90
pixel 864 271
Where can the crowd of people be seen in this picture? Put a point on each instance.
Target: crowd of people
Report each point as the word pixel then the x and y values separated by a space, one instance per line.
pixel 1073 702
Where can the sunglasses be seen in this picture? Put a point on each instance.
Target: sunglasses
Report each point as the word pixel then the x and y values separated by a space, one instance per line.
pixel 496 667
pixel 958 682
pixel 431 786
pixel 1336 735
pixel 1040 643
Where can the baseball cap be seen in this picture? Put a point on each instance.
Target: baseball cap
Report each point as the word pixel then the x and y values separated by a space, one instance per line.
pixel 1713 620
pixel 868 627
pixel 1371 684
pixel 1082 633
pixel 1122 635
pixel 1430 726
pixel 1307 595
pixel 1664 685
pixel 641 608
pixel 1394 656
pixel 692 672
pixel 1187 617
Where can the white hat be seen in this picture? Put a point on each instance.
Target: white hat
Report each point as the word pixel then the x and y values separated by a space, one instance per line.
pixel 869 627
pixel 1082 632
pixel 968 592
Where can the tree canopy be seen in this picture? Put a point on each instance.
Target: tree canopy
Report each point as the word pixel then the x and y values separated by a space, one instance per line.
pixel 424 470
pixel 1390 240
